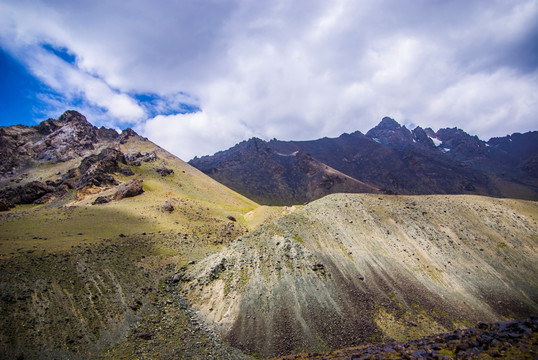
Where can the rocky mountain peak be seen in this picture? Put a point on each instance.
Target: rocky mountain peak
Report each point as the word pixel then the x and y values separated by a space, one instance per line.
pixel 388 123
pixel 422 138
pixel 462 145
pixel 69 137
pixel 72 115
pixel 257 144
pixel 126 134
pixel 390 132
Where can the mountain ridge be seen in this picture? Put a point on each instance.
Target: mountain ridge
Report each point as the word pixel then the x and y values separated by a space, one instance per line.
pixel 396 160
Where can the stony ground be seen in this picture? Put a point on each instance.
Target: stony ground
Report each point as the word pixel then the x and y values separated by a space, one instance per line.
pixel 348 270
pixel 506 339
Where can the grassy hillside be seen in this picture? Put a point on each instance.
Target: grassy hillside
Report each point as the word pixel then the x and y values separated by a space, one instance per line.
pixel 79 280
pixel 353 269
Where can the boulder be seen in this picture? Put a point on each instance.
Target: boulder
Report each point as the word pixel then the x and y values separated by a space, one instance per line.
pixel 5 205
pixel 163 171
pixel 102 200
pixel 168 207
pixel 132 188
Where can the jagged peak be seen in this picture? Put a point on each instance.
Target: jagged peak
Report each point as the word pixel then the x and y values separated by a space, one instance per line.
pixel 388 123
pixel 255 143
pixel 128 133
pixel 255 140
pixel 71 115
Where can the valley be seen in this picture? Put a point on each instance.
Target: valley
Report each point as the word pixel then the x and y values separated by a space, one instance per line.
pixel 113 248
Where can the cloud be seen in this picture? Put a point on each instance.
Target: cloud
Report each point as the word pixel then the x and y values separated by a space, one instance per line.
pixel 291 70
pixel 505 101
pixel 192 134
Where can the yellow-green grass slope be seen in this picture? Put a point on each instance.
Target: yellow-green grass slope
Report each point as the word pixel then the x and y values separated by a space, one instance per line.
pixel 347 270
pixel 79 280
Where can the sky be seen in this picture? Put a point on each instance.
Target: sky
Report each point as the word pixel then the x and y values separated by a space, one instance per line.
pixel 198 76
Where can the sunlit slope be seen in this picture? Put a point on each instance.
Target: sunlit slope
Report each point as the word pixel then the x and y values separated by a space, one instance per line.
pixel 351 269
pixel 201 208
pixel 79 280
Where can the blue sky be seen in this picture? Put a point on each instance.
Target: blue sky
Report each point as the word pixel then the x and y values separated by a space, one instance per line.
pixel 19 89
pixel 199 76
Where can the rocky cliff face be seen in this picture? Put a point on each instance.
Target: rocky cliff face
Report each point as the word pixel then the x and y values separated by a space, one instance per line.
pixel 59 140
pixel 87 159
pixel 393 159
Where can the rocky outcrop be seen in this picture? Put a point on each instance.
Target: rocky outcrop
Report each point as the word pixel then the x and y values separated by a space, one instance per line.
pixel 52 141
pixel 96 170
pixel 30 193
pixel 135 159
pixel 164 171
pixel 69 137
pixel 131 189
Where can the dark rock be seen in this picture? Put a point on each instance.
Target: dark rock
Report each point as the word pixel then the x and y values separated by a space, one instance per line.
pixel 420 354
pixel 96 170
pixel 149 157
pixel 145 336
pixel 231 218
pixel 26 194
pixel 126 171
pixel 45 199
pixel 163 171
pixel 176 278
pixel 126 134
pixel 102 200
pixel 132 188
pixel 48 126
pixel 319 268
pixel 5 204
pixel 168 207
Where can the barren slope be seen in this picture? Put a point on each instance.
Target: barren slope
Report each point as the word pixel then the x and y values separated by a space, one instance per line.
pixel 79 280
pixel 351 269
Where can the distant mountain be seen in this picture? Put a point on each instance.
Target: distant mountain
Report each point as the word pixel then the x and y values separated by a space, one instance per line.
pixel 389 158
pixel 261 173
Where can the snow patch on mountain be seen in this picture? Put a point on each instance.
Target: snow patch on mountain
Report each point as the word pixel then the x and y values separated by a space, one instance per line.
pixel 436 142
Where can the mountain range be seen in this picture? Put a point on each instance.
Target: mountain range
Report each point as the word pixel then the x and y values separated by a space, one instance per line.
pixel 389 159
pixel 113 248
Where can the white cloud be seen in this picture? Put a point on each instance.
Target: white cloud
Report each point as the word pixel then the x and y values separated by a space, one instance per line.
pixel 285 69
pixel 70 82
pixel 192 134
pixel 507 102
